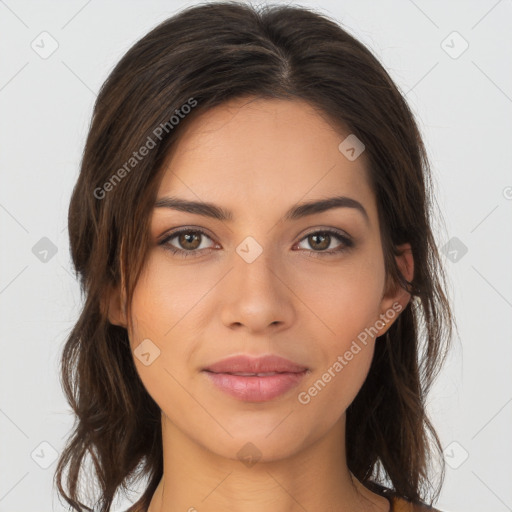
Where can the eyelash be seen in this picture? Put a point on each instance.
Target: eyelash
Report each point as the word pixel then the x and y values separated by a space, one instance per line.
pixel 347 243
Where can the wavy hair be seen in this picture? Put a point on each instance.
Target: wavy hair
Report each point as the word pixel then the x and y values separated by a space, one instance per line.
pixel 208 54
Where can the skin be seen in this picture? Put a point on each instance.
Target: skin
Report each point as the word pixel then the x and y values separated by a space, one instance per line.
pixel 258 158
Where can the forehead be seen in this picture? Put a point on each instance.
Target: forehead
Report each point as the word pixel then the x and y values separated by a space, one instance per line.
pixel 251 152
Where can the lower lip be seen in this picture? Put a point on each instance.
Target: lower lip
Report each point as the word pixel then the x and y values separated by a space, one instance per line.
pixel 255 389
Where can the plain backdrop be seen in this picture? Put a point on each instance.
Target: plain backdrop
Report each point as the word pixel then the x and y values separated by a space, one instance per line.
pixel 452 60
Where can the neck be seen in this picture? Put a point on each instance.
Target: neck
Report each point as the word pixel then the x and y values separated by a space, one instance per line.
pixel 314 478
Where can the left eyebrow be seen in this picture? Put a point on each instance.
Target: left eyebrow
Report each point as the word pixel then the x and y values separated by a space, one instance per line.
pixel 296 212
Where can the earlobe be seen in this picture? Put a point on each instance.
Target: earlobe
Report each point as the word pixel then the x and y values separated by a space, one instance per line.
pixel 396 298
pixel 113 307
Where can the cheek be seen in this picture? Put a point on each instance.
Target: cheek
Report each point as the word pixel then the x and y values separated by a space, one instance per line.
pixel 346 298
pixel 348 304
pixel 333 386
pixel 165 294
pixel 162 339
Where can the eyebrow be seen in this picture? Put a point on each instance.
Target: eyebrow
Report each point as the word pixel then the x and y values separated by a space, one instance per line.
pixel 296 212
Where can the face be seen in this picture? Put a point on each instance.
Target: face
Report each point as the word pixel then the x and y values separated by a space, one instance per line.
pixel 308 287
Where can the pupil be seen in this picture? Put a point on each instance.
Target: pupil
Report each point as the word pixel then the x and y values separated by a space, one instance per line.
pixel 187 240
pixel 323 245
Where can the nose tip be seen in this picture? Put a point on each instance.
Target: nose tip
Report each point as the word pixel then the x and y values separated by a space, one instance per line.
pixel 255 296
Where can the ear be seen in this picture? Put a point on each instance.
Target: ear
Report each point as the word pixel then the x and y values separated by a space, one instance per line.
pixel 113 306
pixel 395 298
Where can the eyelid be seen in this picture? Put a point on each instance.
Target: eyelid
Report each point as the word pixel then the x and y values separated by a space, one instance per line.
pixel 347 242
pixel 326 229
pixel 203 231
pixel 343 237
pixel 176 231
pixel 165 239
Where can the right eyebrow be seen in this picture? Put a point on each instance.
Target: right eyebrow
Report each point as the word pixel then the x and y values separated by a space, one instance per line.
pixel 296 212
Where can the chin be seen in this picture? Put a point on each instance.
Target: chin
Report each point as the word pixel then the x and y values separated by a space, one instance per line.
pixel 253 444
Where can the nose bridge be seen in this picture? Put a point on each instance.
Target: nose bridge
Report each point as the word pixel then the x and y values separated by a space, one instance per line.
pixel 255 265
pixel 256 296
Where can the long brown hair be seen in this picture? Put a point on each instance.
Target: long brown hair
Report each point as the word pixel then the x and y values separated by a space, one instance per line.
pixel 202 57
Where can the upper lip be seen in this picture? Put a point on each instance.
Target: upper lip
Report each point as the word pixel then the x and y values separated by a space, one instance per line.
pixel 251 364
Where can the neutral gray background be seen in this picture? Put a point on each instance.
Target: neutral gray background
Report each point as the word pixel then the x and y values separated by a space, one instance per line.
pixel 463 102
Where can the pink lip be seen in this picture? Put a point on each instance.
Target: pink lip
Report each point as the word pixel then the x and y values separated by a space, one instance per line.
pixel 255 388
pixel 249 364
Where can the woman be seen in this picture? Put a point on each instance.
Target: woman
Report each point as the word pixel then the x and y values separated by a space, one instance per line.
pixel 252 230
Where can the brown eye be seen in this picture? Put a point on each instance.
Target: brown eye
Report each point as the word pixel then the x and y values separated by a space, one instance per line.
pixel 186 242
pixel 319 241
pixel 189 240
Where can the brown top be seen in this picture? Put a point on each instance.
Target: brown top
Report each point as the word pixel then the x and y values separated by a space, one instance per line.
pixel 402 505
pixel 398 503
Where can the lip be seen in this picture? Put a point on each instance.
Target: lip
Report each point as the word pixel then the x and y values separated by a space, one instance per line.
pixel 283 375
pixel 250 364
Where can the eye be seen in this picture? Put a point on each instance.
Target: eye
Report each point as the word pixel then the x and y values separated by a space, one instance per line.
pixel 321 240
pixel 189 242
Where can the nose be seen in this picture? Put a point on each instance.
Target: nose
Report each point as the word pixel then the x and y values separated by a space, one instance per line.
pixel 256 295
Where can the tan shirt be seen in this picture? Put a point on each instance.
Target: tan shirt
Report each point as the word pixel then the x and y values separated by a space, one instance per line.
pixel 402 505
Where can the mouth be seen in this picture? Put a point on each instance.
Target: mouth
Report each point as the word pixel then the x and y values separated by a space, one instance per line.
pixel 255 387
pixel 247 365
pixel 248 374
pixel 255 379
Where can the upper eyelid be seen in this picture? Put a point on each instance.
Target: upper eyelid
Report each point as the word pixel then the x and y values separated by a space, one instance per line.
pixel 169 236
pixel 173 233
